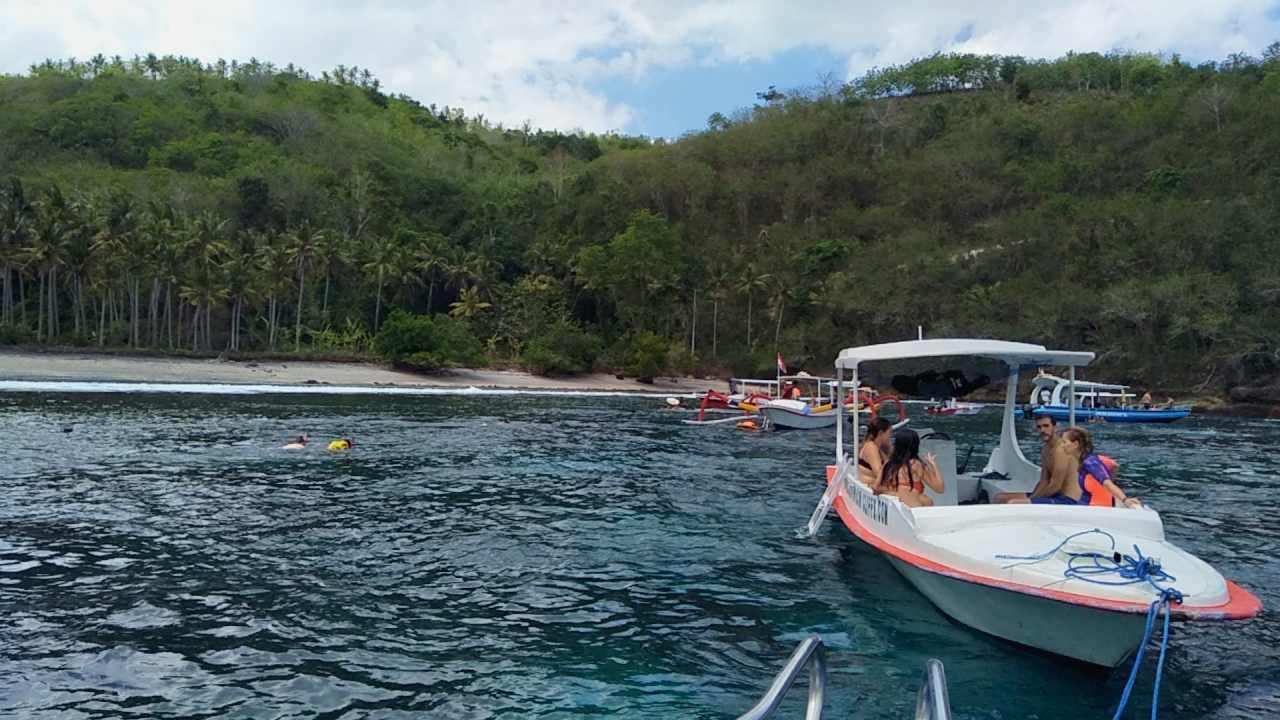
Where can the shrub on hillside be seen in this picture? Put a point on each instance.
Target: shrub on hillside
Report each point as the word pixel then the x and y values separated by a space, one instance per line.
pixel 647 357
pixel 426 342
pixel 564 349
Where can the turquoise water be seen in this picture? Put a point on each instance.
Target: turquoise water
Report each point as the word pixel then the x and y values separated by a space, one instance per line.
pixel 479 557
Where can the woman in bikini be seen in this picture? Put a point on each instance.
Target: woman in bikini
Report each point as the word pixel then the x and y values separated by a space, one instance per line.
pixel 905 475
pixel 874 450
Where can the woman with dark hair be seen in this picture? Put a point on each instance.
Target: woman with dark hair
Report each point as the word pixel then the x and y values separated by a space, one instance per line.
pixel 905 474
pixel 875 448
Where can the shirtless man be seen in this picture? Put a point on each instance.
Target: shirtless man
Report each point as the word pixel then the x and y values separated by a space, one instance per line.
pixel 1055 466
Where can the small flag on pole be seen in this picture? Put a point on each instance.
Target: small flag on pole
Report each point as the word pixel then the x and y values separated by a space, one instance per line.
pixel 782 367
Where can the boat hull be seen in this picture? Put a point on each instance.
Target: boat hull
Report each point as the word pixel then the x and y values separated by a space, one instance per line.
pixel 1087 634
pixel 785 419
pixel 1114 415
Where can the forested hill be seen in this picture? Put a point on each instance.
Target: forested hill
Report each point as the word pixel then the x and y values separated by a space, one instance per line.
pixel 1127 203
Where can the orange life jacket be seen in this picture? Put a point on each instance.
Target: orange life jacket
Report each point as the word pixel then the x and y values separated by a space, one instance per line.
pixel 1094 488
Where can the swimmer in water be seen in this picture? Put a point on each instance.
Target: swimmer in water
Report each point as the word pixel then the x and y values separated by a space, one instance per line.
pixel 340 445
pixel 298 444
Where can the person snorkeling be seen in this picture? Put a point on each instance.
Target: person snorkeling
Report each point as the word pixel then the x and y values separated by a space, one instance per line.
pixel 341 444
pixel 299 443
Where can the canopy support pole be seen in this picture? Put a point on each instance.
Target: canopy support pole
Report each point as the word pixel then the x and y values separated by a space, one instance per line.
pixel 839 415
pixel 1071 390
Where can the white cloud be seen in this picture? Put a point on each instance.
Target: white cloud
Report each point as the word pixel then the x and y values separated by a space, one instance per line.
pixel 545 61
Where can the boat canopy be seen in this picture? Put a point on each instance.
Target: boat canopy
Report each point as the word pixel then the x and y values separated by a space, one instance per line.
pixel 1082 386
pixel 1013 354
pixel 1007 459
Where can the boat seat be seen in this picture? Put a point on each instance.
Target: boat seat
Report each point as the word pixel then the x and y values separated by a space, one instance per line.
pixel 944 450
pixel 995 485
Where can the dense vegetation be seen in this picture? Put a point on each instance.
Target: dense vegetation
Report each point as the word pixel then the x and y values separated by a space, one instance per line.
pixel 1126 203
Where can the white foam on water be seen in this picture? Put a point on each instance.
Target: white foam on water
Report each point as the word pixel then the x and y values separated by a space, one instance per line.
pixel 82 386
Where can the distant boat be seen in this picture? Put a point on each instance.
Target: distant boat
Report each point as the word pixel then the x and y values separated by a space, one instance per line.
pixel 1108 402
pixel 816 407
pixel 810 407
pixel 748 395
pixel 954 407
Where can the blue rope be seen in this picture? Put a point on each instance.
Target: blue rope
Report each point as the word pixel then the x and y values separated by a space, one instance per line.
pixel 1167 596
pixel 1131 570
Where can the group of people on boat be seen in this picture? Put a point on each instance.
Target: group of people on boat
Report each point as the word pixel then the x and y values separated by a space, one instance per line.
pixel 890 463
pixel 1071 471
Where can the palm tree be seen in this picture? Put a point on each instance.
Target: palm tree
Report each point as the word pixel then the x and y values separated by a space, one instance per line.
pixel 469 304
pixel 429 261
pixel 80 256
pixel 157 229
pixel 303 243
pixel 205 249
pixel 385 262
pixel 332 252
pixel 753 281
pixel 781 293
pixel 115 239
pixel 719 283
pixel 240 281
pixel 15 228
pixel 47 252
pixel 274 270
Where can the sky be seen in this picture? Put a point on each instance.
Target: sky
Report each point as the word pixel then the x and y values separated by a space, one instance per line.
pixel 657 67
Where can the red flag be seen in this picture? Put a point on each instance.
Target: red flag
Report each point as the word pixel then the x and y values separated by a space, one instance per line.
pixel 782 367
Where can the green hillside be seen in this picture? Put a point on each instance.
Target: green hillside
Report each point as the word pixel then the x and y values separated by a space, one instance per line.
pixel 1126 203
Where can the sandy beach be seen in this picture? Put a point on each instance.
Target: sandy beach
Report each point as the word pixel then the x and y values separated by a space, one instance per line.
pixel 21 365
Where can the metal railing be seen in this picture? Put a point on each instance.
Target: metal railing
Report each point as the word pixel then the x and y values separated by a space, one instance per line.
pixel 810 652
pixel 932 702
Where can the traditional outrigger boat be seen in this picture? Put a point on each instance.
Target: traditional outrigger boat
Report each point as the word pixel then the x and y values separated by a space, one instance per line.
pixel 812 406
pixel 1015 571
pixel 1050 396
pixel 808 407
pixel 819 410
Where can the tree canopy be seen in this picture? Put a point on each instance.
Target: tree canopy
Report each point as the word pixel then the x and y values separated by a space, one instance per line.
pixel 1126 203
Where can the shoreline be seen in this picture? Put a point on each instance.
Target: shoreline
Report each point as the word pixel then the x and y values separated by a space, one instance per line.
pixel 66 365
pixel 56 366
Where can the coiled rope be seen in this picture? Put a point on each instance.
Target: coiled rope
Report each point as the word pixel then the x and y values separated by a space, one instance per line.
pixel 1093 567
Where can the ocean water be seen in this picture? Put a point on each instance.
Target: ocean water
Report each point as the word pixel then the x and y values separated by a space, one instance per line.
pixel 485 556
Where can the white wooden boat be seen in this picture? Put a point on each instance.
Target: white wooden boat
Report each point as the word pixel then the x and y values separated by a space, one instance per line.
pixel 815 409
pixel 964 558
pixel 797 415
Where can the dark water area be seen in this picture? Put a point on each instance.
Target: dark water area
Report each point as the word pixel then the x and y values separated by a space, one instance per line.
pixel 511 556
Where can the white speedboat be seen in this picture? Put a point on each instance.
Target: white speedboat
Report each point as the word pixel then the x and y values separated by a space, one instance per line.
pixel 1021 572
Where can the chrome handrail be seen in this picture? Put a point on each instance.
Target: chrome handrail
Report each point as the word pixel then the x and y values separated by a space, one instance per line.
pixel 810 652
pixel 933 702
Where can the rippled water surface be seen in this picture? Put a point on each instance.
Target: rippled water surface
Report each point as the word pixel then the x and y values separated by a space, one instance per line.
pixel 508 556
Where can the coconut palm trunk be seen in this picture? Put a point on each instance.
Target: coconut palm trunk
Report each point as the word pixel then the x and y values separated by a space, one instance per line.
pixel 102 321
pixel 377 308
pixel 297 323
pixel 40 309
pixel 715 327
